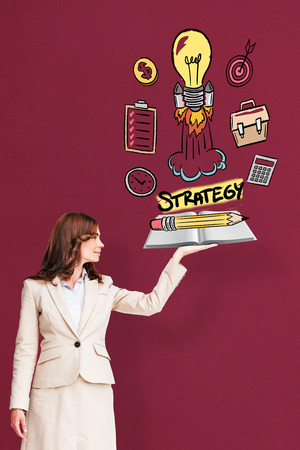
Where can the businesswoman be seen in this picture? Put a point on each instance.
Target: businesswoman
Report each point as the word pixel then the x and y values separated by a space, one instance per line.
pixel 69 303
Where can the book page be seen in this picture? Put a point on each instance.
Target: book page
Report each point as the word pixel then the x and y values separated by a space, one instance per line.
pixel 163 239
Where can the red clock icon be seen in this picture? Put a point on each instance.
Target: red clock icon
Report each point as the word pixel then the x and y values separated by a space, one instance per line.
pixel 140 182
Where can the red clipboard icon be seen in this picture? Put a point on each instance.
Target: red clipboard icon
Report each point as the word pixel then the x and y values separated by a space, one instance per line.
pixel 140 128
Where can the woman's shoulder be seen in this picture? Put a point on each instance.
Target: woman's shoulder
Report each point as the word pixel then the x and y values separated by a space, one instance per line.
pixel 105 286
pixel 106 281
pixel 33 283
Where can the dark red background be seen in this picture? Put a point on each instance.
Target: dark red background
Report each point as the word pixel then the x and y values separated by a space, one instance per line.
pixel 219 367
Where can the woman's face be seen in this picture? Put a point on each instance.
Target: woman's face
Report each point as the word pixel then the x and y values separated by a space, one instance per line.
pixel 91 249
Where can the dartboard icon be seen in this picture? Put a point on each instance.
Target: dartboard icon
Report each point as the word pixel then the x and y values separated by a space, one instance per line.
pixel 239 70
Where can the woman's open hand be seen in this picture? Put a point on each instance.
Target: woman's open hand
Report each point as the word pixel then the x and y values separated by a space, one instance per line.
pixel 18 422
pixel 189 249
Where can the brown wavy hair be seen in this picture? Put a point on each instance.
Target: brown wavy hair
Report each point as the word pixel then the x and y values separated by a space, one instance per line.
pixel 63 251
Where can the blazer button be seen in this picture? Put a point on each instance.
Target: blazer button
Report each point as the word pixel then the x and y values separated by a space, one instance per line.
pixel 77 344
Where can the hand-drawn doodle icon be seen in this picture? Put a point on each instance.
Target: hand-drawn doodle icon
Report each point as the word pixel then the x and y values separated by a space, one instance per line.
pixel 249 125
pixel 231 228
pixel 261 170
pixel 145 71
pixel 239 70
pixel 216 219
pixel 140 182
pixel 140 128
pixel 191 58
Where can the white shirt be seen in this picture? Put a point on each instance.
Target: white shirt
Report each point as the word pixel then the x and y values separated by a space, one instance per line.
pixel 75 297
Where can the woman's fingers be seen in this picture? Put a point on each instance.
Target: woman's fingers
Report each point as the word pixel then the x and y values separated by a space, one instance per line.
pixel 23 425
pixel 187 250
pixel 18 423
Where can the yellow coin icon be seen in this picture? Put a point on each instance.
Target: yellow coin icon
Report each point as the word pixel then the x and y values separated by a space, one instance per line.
pixel 145 71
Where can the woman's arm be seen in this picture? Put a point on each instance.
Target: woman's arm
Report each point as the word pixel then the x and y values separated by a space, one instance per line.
pixel 24 360
pixel 135 302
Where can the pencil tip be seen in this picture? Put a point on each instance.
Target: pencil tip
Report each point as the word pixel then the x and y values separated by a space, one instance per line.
pixel 245 218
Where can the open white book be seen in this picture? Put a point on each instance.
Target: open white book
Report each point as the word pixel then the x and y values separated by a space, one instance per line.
pixel 240 232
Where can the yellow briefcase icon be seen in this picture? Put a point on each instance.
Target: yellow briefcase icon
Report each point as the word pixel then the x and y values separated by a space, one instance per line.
pixel 249 125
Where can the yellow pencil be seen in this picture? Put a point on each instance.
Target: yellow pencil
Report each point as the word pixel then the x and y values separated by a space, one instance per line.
pixel 173 223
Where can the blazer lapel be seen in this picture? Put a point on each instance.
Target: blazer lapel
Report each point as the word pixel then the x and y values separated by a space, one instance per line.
pixel 57 295
pixel 90 299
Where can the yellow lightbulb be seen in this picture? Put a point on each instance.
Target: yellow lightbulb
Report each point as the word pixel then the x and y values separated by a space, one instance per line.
pixel 191 56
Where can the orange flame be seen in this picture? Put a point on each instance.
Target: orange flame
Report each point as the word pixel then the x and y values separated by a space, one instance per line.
pixel 196 121
pixel 180 114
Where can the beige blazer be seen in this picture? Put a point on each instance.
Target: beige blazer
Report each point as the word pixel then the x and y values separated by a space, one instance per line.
pixel 66 353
